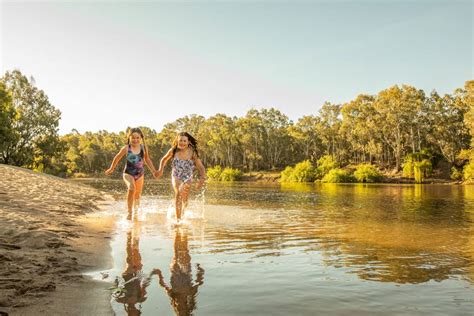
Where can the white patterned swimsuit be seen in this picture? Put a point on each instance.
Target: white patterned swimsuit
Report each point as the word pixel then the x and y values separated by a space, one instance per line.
pixel 183 169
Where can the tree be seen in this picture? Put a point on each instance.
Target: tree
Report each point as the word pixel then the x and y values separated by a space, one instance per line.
pixel 33 140
pixel 447 129
pixel 306 142
pixel 7 116
pixel 398 113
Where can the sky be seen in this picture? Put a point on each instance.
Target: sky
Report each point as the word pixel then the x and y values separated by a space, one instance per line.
pixel 107 65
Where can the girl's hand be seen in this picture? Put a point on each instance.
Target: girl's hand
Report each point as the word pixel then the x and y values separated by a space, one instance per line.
pixel 156 174
pixel 200 184
pixel 160 173
pixel 109 171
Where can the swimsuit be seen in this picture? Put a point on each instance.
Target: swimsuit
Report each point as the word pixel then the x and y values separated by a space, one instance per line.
pixel 183 169
pixel 134 166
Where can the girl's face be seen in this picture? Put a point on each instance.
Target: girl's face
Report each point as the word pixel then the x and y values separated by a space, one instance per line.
pixel 135 138
pixel 183 142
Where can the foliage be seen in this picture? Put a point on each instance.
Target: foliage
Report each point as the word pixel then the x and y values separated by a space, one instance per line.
pixel 338 176
pixel 302 172
pixel 468 172
pixel 325 164
pixel 229 175
pixel 214 173
pixel 377 130
pixel 367 173
pixel 456 174
pixel 417 165
pixel 29 136
pixel 421 170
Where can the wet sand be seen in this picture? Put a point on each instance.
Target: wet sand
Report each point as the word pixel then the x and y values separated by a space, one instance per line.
pixel 47 242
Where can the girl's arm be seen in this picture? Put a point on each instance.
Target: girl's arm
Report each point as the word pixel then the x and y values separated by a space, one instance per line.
pixel 164 161
pixel 116 160
pixel 202 172
pixel 148 161
pixel 161 280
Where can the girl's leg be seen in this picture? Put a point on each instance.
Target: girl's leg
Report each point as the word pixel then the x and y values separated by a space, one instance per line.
pixel 185 194
pixel 138 191
pixel 177 197
pixel 130 182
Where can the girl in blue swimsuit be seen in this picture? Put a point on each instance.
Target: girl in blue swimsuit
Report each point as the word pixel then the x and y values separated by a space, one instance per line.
pixel 136 154
pixel 185 159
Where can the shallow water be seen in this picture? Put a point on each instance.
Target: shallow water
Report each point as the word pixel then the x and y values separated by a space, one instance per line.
pixel 297 249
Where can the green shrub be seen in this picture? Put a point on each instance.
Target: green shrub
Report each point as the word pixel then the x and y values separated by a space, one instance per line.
pixel 324 165
pixel 338 176
pixel 229 175
pixel 408 169
pixel 417 165
pixel 302 172
pixel 367 173
pixel 422 169
pixel 214 173
pixel 468 172
pixel 287 175
pixel 456 174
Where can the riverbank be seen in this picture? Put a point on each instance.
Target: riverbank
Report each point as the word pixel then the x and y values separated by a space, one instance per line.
pixel 47 242
pixel 274 176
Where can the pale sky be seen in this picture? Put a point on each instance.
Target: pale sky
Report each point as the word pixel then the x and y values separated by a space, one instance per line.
pixel 109 64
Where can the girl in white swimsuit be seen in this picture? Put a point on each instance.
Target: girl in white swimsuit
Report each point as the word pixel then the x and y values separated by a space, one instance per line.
pixel 185 158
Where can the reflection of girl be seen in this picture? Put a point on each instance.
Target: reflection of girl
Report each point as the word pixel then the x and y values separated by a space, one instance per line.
pixel 134 283
pixel 185 157
pixel 182 290
pixel 136 154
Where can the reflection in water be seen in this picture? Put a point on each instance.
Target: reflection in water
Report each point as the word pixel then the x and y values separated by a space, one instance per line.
pixel 182 291
pixel 134 285
pixel 321 249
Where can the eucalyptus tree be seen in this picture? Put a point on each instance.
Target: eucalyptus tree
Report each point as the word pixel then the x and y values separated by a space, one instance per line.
pixel 189 123
pixel 306 142
pixel 250 131
pixel 221 141
pixel 399 118
pixel 360 128
pixel 329 130
pixel 33 138
pixel 7 116
pixel 448 132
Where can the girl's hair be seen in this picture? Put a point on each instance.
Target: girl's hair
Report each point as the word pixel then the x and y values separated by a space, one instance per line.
pixel 192 143
pixel 132 130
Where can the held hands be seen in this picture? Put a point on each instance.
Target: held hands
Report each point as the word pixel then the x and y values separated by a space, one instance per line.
pixel 158 174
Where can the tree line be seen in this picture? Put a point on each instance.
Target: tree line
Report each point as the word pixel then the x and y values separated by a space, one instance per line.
pixel 381 129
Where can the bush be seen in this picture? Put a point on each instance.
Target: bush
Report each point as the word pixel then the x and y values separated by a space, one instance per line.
pixel 214 173
pixel 408 169
pixel 325 164
pixel 287 175
pixel 302 172
pixel 367 173
pixel 229 174
pixel 468 172
pixel 422 169
pixel 417 165
pixel 338 176
pixel 456 174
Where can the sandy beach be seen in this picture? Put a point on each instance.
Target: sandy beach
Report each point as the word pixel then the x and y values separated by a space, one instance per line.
pixel 47 242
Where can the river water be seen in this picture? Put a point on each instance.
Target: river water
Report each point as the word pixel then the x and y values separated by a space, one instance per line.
pixel 306 249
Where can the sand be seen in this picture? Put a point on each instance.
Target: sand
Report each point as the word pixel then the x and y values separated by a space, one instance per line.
pixel 47 242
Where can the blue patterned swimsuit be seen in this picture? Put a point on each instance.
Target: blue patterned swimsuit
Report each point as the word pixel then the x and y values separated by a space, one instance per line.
pixel 183 169
pixel 134 166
